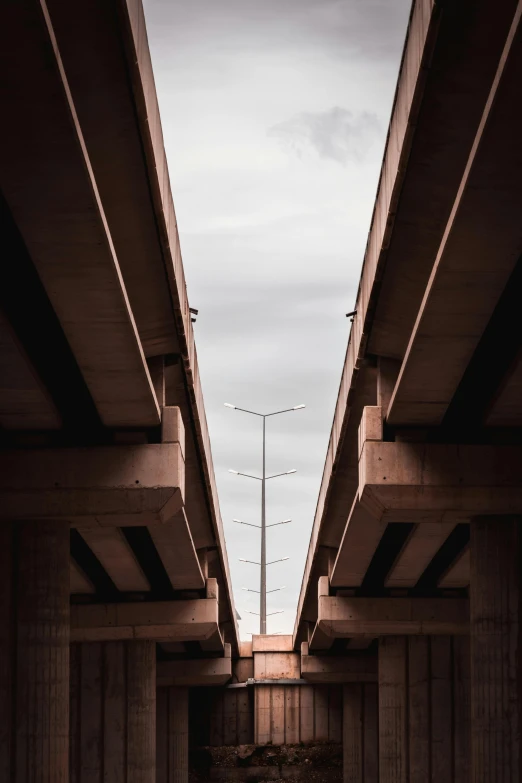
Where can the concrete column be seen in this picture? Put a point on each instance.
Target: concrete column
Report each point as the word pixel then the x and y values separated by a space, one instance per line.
pixel 178 737
pixel 353 765
pixel 141 707
pixel 360 733
pixel 6 649
pixel 113 712
pixel 41 735
pixel 495 639
pixel 424 709
pixel 392 676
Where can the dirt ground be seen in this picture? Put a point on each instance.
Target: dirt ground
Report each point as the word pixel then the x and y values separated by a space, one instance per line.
pixel 315 763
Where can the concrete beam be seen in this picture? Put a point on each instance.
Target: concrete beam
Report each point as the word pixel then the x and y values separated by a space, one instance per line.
pixel 439 482
pixel 361 536
pixel 458 574
pixel 175 546
pixel 333 669
pixel 90 41
pixel 24 404
pixel 93 486
pixel 60 216
pixel 139 69
pixel 161 621
pixel 117 558
pixel 79 582
pixel 272 643
pixel 419 550
pixel 347 617
pixel 214 671
pixel 319 640
pixel 479 249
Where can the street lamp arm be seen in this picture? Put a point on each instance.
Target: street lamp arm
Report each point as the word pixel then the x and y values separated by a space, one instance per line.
pixel 240 522
pixel 286 473
pixel 247 475
pixel 243 410
pixel 286 410
pixel 284 522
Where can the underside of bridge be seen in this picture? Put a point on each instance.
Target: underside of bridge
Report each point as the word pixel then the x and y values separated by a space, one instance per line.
pixel 119 648
pixel 112 556
pixel 414 558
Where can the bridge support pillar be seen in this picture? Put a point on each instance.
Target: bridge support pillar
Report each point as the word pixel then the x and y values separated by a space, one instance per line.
pixel 173 735
pixel 495 648
pixel 424 709
pixel 34 651
pixel 113 711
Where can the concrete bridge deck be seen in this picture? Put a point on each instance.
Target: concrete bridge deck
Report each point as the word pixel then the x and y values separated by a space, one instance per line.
pixel 414 553
pixel 108 497
pixel 115 602
pixel 431 373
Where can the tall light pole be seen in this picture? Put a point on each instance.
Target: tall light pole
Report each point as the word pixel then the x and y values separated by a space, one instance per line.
pixel 264 478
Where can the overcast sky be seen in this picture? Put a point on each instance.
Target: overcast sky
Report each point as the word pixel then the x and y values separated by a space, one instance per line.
pixel 274 115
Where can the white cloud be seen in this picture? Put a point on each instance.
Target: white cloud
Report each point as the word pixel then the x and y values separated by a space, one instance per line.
pixel 336 134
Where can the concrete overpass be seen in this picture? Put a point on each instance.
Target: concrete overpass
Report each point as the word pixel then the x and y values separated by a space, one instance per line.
pixel 414 554
pixel 111 536
pixel 113 571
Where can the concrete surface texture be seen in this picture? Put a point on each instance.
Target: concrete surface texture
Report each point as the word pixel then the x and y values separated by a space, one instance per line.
pixel 119 651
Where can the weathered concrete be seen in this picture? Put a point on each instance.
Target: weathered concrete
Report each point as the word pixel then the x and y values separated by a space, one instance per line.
pixel 158 620
pixel 34 650
pixel 424 709
pixel 331 668
pixel 347 617
pixel 360 734
pixel 113 712
pixel 212 671
pixel 435 482
pixel 495 639
pixel 173 735
pixel 68 224
pixel 107 485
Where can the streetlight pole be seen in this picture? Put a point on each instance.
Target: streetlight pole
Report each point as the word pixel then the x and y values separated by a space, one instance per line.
pixel 264 478
pixel 262 609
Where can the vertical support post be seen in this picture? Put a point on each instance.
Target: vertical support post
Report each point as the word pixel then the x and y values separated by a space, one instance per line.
pixel 141 708
pixel 495 546
pixel 353 766
pixel 6 649
pixel 113 713
pixel 393 709
pixel 42 653
pixel 178 739
pixel 262 610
